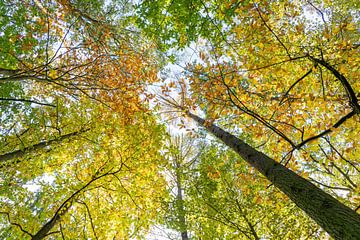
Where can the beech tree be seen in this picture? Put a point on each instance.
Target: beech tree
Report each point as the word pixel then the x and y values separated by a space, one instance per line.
pixel 215 195
pixel 82 150
pixel 98 184
pixel 283 74
pixel 75 135
pixel 337 219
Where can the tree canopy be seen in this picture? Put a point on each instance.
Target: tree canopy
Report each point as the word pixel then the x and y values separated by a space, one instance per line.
pixel 179 119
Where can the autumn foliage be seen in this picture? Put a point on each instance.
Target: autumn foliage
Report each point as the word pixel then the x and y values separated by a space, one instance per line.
pixel 90 91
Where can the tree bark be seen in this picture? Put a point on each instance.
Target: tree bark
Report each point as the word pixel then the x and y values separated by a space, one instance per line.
pixel 335 218
pixel 65 206
pixel 38 146
pixel 180 203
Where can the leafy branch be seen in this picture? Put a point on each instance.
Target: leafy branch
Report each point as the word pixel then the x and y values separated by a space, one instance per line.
pixel 66 205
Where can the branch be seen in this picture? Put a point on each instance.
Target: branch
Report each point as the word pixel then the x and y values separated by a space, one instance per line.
pixel 20 77
pixel 4 71
pixel 27 100
pixel 327 186
pixel 33 148
pixel 293 85
pixel 345 175
pixel 249 112
pixel 277 38
pixel 341 156
pixel 317 9
pixel 336 125
pixel 245 109
pixel 65 206
pixel 344 82
pixel 91 220
pixel 224 216
pixel 237 203
pixel 16 224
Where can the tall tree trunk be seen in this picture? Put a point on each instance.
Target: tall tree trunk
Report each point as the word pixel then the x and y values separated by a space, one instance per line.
pixel 335 218
pixel 38 146
pixel 180 204
pixel 65 206
pixel 44 231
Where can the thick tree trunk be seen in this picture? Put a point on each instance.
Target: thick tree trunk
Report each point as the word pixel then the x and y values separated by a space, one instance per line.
pixel 43 232
pixel 335 218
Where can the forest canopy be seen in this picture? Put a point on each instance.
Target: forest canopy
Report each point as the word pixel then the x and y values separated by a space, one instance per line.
pixel 180 119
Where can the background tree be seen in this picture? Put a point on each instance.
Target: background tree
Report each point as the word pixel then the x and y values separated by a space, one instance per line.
pixel 223 198
pixel 55 53
pixel 74 124
pixel 102 183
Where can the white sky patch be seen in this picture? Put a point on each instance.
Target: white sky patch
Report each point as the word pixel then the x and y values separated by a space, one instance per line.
pixel 159 232
pixel 34 186
pixel 315 15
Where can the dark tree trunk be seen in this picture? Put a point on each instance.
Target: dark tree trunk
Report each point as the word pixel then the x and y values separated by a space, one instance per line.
pixel 38 146
pixel 65 206
pixel 335 218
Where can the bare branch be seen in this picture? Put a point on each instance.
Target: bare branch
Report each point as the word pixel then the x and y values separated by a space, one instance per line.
pixel 16 224
pixel 294 84
pixel 327 131
pixel 277 38
pixel 344 82
pixel 27 100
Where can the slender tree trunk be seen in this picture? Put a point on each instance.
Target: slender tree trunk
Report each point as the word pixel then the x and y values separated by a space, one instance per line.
pixel 180 203
pixel 335 218
pixel 38 146
pixel 65 206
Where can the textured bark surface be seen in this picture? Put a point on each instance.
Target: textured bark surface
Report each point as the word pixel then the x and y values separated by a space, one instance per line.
pixel 335 218
pixel 45 229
